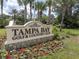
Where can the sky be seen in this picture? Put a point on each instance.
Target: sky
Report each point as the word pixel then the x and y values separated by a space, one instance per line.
pixel 9 5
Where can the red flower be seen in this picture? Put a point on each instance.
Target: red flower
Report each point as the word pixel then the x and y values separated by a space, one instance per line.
pixel 8 56
pixel 22 49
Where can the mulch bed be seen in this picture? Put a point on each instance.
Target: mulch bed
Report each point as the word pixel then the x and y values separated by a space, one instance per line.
pixel 35 51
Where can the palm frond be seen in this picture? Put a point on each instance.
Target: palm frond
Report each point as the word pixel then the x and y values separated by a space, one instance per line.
pixel 19 2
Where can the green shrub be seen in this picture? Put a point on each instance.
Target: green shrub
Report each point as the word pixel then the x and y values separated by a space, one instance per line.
pixel 56 33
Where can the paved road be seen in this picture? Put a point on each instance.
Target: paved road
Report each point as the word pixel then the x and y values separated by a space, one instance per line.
pixel 1 42
pixel 76 38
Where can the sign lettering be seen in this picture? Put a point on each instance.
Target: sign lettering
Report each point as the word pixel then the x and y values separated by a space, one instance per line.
pixel 31 32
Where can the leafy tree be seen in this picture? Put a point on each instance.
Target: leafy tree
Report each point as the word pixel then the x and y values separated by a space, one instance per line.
pixel 74 20
pixel 66 9
pixel 31 4
pixel 4 21
pixel 49 4
pixel 40 7
pixel 20 18
pixel 44 19
pixel 24 2
pixel 14 12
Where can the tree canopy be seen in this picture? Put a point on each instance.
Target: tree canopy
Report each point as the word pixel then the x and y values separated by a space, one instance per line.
pixel 67 11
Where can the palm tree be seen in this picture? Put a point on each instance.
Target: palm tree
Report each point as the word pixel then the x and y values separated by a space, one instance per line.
pixel 31 2
pixel 14 12
pixel 49 4
pixel 1 2
pixel 40 7
pixel 24 2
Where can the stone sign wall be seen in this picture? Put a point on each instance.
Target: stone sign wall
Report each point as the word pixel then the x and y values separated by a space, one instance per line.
pixel 32 32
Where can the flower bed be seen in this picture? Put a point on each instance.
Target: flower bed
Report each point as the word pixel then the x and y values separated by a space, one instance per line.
pixel 35 51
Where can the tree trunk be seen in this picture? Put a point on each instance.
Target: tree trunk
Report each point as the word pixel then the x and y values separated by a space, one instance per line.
pixel 30 10
pixel 70 10
pixel 14 17
pixel 41 14
pixel 1 8
pixel 38 14
pixel 49 13
pixel 25 14
pixel 62 20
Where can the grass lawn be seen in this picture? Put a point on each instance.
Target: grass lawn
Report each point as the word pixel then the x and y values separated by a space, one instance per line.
pixel 73 32
pixel 2 32
pixel 70 51
pixel 71 47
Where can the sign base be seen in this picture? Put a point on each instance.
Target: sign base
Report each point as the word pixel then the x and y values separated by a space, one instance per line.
pixel 29 42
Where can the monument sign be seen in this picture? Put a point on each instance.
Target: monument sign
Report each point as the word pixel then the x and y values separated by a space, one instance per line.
pixel 33 32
